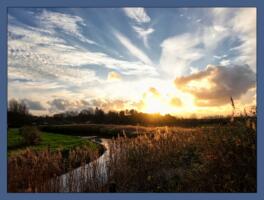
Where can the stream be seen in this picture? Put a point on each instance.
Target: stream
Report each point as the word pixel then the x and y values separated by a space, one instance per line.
pixel 94 172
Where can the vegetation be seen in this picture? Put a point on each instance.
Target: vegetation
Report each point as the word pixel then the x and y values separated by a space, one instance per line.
pixel 52 141
pixel 18 114
pixel 163 159
pixel 30 135
pixel 38 171
pixel 102 130
pixel 216 159
pixel 32 166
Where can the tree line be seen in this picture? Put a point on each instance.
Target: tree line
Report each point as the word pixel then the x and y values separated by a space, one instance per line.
pixel 19 115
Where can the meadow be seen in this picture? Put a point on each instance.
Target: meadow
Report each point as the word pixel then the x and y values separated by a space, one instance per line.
pixel 52 141
pixel 211 158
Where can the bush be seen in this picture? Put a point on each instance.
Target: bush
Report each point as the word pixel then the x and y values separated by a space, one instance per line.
pixel 31 135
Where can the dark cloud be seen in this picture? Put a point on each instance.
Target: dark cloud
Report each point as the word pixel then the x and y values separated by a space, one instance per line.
pixel 59 104
pixel 84 103
pixel 109 104
pixel 33 105
pixel 219 84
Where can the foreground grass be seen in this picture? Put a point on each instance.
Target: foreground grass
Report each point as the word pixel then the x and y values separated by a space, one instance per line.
pixel 159 159
pixel 215 159
pixel 48 140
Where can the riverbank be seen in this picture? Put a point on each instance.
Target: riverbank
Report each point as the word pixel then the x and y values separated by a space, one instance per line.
pixel 31 166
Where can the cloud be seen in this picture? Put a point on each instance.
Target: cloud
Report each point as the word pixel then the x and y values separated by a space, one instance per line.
pixel 154 91
pixel 216 84
pixel 59 104
pixel 176 102
pixel 144 34
pixel 59 61
pixel 114 76
pixel 244 25
pixel 239 23
pixel 63 104
pixel 29 47
pixel 133 49
pixel 70 24
pixel 33 105
pixel 139 15
pixel 225 62
pixel 178 53
pixel 110 104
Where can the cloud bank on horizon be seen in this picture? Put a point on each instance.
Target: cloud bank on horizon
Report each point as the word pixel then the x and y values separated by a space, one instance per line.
pixel 168 60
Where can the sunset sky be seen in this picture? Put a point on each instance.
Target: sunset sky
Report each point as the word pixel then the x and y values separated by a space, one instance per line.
pixel 181 61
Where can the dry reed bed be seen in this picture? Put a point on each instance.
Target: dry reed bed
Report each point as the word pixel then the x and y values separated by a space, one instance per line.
pixel 32 171
pixel 216 159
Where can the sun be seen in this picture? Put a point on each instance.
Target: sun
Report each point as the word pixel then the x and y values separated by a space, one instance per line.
pixel 154 103
pixel 166 100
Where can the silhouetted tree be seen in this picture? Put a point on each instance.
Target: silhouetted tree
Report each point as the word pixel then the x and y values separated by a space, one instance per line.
pixel 17 107
pixel 18 114
pixel 99 115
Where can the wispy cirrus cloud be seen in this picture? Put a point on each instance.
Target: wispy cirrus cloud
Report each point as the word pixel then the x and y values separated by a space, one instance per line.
pixel 140 19
pixel 135 51
pixel 68 23
pixel 178 53
pixel 137 14
pixel 239 23
pixel 58 60
pixel 144 34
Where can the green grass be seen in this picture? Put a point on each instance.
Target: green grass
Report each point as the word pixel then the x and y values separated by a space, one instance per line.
pixel 101 130
pixel 53 141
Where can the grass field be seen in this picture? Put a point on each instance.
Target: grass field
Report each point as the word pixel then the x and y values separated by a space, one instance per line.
pixel 53 141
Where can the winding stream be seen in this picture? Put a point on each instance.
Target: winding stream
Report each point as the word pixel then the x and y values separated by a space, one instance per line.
pixel 94 172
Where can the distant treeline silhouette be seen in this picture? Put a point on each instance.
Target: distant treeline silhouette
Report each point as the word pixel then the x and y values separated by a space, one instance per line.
pixel 18 115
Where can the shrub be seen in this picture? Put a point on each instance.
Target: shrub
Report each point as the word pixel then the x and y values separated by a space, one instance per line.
pixel 31 135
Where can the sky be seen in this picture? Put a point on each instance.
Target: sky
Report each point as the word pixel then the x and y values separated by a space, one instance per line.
pixel 181 61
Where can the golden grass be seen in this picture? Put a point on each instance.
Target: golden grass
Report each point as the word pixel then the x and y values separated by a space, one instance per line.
pixel 216 159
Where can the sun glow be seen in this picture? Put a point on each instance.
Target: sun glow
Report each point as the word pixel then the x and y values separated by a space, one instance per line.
pixel 156 102
pixel 155 105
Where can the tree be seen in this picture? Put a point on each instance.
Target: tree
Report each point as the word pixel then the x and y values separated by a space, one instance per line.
pixel 99 115
pixel 18 107
pixel 18 114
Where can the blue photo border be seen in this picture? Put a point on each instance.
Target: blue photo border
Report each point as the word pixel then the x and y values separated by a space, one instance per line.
pixel 259 4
